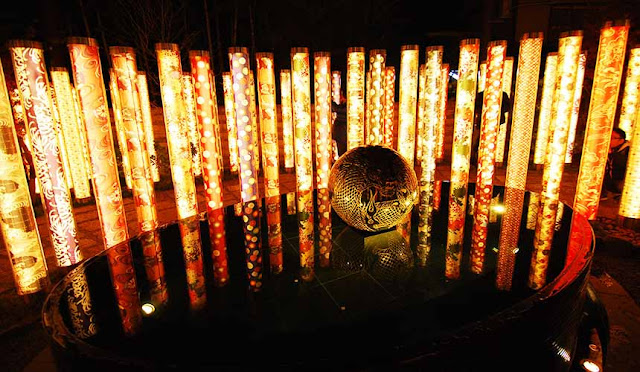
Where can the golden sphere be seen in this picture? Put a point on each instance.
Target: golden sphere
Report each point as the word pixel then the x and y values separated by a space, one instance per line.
pixel 372 188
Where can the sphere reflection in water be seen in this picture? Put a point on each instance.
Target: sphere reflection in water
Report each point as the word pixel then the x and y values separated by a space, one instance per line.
pixel 372 188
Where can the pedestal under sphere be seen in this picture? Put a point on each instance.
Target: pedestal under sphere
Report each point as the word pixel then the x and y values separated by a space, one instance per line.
pixel 372 188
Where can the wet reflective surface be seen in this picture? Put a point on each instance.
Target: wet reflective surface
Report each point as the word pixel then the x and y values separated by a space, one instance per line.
pixel 368 302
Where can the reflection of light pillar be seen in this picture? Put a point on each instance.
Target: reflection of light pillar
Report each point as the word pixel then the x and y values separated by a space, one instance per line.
pixel 602 108
pixel 89 82
pixel 492 99
pixel 422 76
pixel 428 162
pixel 17 221
pixel 175 117
pixel 321 68
pixel 568 59
pixel 145 106
pixel 71 132
pixel 287 119
pixel 408 101
pixel 509 235
pixel 31 77
pixel 576 107
pixel 230 113
pixel 270 165
pixel 544 117
pixel 240 73
pixel 524 109
pixel 191 122
pixel 117 118
pixel 461 152
pixel 482 76
pixel 442 111
pixel 375 123
pixel 211 153
pixel 507 77
pixel 304 169
pixel 389 104
pixel 630 99
pixel 355 97
pixel 336 82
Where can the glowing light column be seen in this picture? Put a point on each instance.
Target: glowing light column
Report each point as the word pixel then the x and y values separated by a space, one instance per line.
pixel 519 149
pixel 461 153
pixel 230 113
pixel 304 169
pixel 409 57
pixel 544 117
pixel 482 76
pixel 32 81
pixel 568 59
pixel 17 221
pixel 630 97
pixel 507 77
pixel 208 125
pixel 192 121
pixel 602 108
pixel 336 83
pixel 287 119
pixel 171 88
pixel 322 84
pixel 630 203
pixel 71 132
pixel 145 106
pixel 442 111
pixel 492 99
pixel 422 79
pixel 428 162
pixel 270 155
pixel 377 58
pixel 117 117
pixel 89 82
pixel 389 104
pixel 355 97
pixel 575 112
pixel 240 72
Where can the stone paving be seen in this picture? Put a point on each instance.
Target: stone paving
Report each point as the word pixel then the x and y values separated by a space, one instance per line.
pixel 18 314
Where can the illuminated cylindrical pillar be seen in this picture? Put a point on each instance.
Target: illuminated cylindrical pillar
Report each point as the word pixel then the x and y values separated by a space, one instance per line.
pixel 71 132
pixel 270 155
pixel 117 118
pixel 428 162
pixel 123 60
pixel 544 117
pixel 287 119
pixel 192 121
pixel 147 125
pixel 62 146
pixel 254 121
pixel 507 77
pixel 442 112
pixel 17 221
pixel 422 79
pixel 355 97
pixel 575 111
pixel 336 86
pixel 532 210
pixel 602 108
pixel 322 84
pixel 240 72
pixel 304 164
pixel 568 60
pixel 230 113
pixel 89 82
pixel 82 130
pixel 630 202
pixel 123 280
pixel 389 104
pixel 492 99
pixel 482 76
pixel 375 122
pixel 31 77
pixel 509 234
pixel 409 58
pixel 208 125
pixel 524 109
pixel 175 120
pixel 630 96
pixel 461 153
